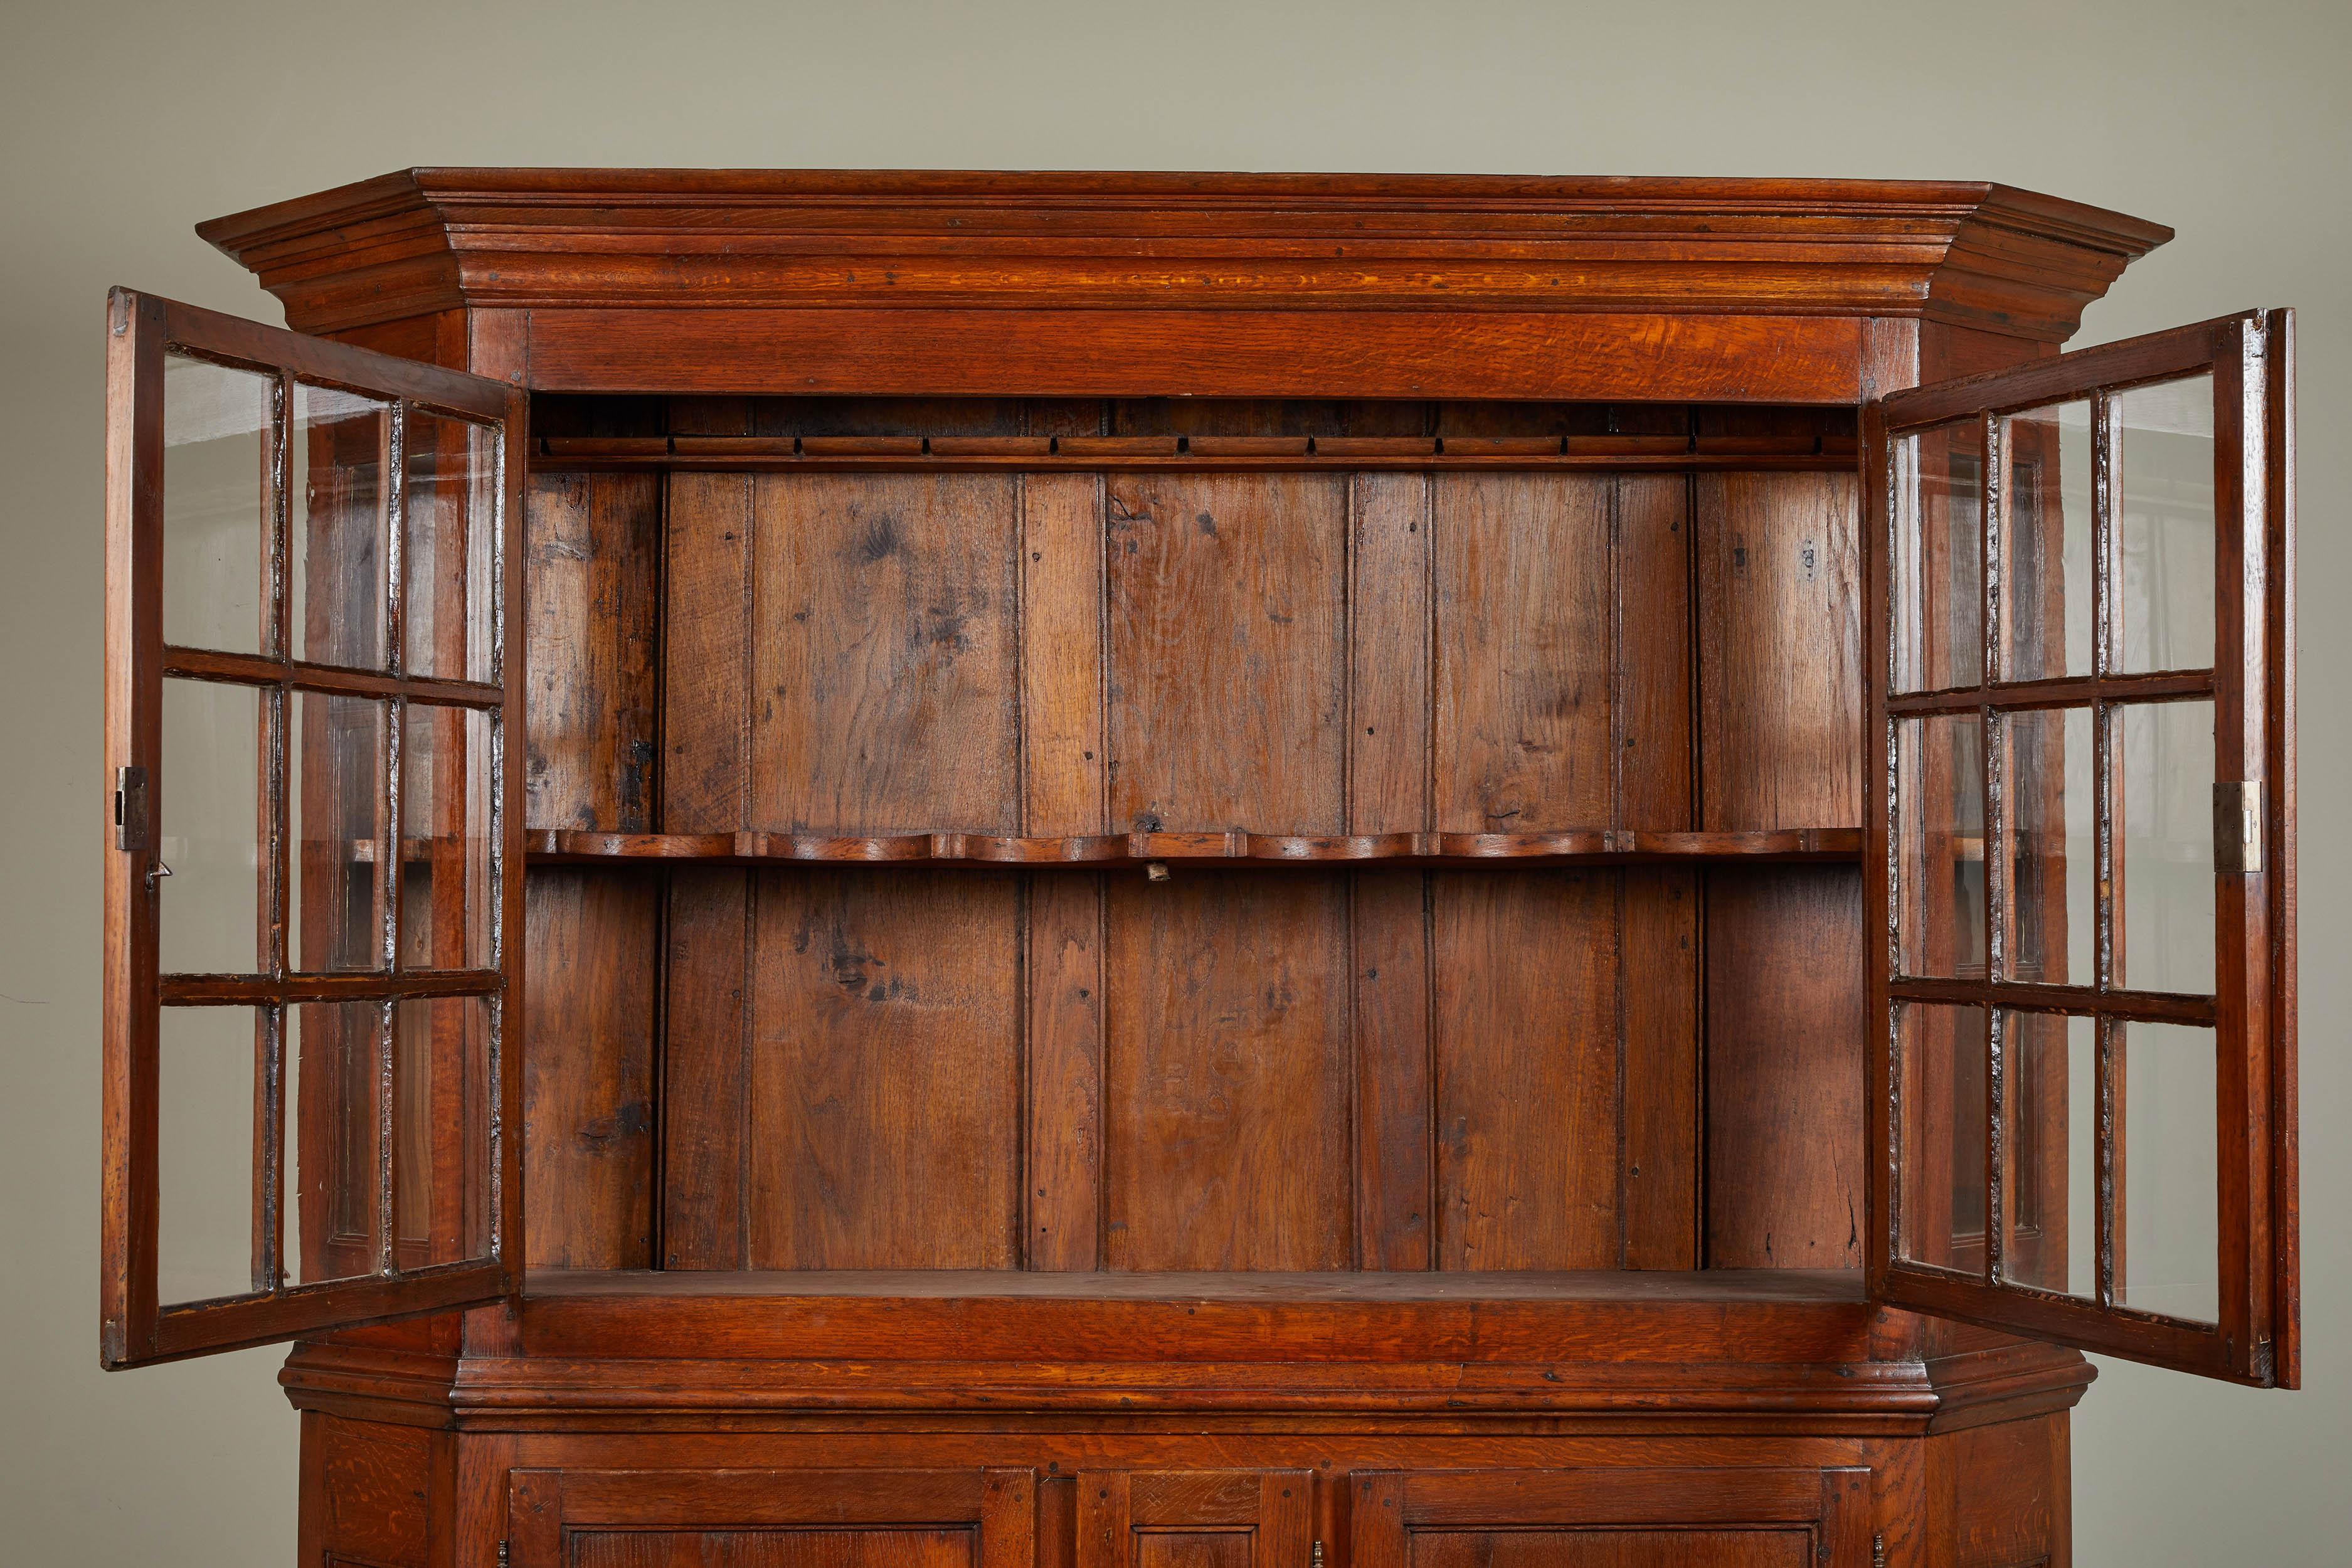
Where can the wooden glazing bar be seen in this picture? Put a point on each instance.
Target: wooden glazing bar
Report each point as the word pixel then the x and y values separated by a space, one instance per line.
pixel 2147 1006
pixel 2159 356
pixel 2021 1309
pixel 233 340
pixel 224 990
pixel 206 1326
pixel 1233 848
pixel 254 669
pixel 2068 691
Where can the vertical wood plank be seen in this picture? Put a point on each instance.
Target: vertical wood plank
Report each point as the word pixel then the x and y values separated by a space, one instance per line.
pixel 1376 1526
pixel 595 611
pixel 1654 652
pixel 1527 1070
pixel 1784 996
pixel 704 1096
pixel 885 1075
pixel 1106 1519
pixel 1658 981
pixel 1779 650
pixel 885 696
pixel 1523 678
pixel 588 1063
pixel 1226 1080
pixel 1387 792
pixel 1063 768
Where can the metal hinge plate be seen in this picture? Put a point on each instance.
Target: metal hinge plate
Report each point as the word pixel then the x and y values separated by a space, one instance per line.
pixel 131 809
pixel 2238 827
pixel 502 1554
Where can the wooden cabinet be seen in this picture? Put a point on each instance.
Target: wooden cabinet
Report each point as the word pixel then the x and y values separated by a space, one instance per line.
pixel 1170 870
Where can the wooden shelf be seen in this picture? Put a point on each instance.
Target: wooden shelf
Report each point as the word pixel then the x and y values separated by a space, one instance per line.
pixel 1111 851
pixel 1250 453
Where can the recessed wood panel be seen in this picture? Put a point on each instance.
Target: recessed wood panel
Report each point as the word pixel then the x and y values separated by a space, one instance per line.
pixel 1226 1079
pixel 1784 1064
pixel 885 1071
pixel 1525 1058
pixel 1524 683
pixel 1227 651
pixel 1601 1547
pixel 770 1548
pixel 1780 608
pixel 885 696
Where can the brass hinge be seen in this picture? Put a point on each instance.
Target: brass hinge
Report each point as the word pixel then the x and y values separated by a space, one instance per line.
pixel 1315 1558
pixel 131 809
pixel 502 1554
pixel 2238 827
pixel 1878 1551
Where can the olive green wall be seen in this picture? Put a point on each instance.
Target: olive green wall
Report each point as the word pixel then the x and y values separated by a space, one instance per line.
pixel 123 125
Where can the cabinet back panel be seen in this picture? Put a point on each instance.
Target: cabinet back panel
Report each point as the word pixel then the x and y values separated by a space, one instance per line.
pixel 1304 1069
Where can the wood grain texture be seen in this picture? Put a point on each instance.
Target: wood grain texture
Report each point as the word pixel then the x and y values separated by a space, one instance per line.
pixel 1226 1082
pixel 706 1049
pixel 885 1076
pixel 886 697
pixel 1780 608
pixel 1784 1068
pixel 771 1549
pixel 595 626
pixel 1661 1012
pixel 1524 687
pixel 588 1069
pixel 708 635
pixel 1227 652
pixel 1526 1064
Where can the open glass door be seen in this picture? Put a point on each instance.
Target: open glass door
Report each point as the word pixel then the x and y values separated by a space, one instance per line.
pixel 2081 858
pixel 313 849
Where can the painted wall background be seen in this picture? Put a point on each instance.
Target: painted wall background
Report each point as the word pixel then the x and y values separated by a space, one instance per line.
pixel 125 124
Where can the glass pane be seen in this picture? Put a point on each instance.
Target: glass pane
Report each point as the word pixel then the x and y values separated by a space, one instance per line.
pixel 445 875
pixel 2048 789
pixel 449 495
pixel 335 800
pixel 215 505
pixel 1939 846
pixel 441 1130
pixel 2167 1194
pixel 2164 526
pixel 204 1153
pixel 2164 908
pixel 209 910
pixel 2051 1182
pixel 1936 590
pixel 337 456
pixel 331 1138
pixel 1940 1057
pixel 2046 592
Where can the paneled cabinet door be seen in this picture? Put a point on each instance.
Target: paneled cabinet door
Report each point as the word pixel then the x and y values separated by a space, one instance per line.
pixel 2081 861
pixel 772 1519
pixel 1612 1518
pixel 1195 1518
pixel 313 836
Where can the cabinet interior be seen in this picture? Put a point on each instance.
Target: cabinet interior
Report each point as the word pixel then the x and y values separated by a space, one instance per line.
pixel 1606 1060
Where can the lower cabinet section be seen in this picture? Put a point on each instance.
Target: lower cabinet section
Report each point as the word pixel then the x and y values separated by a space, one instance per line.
pixel 1612 1518
pixel 1195 1518
pixel 772 1519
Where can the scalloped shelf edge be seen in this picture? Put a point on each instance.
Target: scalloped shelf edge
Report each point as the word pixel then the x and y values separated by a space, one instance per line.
pixel 1579 846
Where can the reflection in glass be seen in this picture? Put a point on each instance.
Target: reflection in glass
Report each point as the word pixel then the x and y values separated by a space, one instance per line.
pixel 337 585
pixel 1939 846
pixel 336 802
pixel 2049 1075
pixel 331 1138
pixel 1941 1054
pixel 2046 594
pixel 448 494
pixel 208 910
pixel 2164 837
pixel 445 875
pixel 1937 586
pixel 2048 790
pixel 441 1130
pixel 2164 526
pixel 216 430
pixel 204 1152
pixel 2168 1197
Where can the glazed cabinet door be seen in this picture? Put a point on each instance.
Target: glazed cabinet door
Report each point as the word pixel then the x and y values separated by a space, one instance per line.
pixel 1610 1518
pixel 312 836
pixel 772 1519
pixel 1195 1518
pixel 2081 853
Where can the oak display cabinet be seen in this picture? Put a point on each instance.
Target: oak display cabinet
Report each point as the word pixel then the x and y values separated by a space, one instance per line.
pixel 930 870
